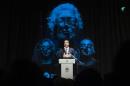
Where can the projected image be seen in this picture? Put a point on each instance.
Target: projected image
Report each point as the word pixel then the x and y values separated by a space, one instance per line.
pixel 64 24
pixel 65 21
pixel 87 48
pixel 43 52
pixel 87 53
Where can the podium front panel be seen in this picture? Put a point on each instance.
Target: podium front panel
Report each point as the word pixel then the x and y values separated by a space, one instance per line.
pixel 67 68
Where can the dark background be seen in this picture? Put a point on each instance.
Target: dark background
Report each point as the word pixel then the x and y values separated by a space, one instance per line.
pixel 23 23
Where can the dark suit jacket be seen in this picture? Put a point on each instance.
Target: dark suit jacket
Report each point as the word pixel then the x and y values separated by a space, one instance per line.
pixel 61 51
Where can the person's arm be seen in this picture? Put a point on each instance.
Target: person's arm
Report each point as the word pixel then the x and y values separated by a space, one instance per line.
pixel 59 53
pixel 75 53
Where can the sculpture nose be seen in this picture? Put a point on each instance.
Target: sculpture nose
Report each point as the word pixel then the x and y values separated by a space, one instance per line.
pixel 66 28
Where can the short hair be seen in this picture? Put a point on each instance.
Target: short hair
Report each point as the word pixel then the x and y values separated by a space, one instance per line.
pixel 66 40
pixel 61 8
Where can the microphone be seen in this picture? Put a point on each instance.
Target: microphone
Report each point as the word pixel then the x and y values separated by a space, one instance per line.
pixel 77 59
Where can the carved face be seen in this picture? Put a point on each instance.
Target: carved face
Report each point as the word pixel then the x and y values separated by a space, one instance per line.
pixel 64 21
pixel 46 48
pixel 66 25
pixel 87 48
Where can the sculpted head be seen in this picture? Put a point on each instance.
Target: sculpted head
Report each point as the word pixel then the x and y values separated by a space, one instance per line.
pixel 65 20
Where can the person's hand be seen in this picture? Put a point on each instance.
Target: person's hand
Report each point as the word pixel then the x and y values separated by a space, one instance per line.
pixel 66 55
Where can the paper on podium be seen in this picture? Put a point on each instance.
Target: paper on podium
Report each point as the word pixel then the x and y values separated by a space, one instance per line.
pixel 67 61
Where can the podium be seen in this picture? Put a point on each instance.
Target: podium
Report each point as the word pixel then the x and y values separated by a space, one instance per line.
pixel 67 68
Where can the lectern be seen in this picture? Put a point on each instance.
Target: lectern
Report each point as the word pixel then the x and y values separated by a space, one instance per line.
pixel 67 68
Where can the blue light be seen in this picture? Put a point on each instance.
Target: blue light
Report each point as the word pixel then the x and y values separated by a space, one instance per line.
pixel 46 75
pixel 64 22
pixel 87 47
pixel 43 52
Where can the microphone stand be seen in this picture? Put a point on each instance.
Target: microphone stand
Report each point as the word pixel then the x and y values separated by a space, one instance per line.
pixel 78 61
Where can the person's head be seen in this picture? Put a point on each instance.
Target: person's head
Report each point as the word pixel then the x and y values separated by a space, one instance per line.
pixel 66 43
pixel 87 47
pixel 65 20
pixel 46 47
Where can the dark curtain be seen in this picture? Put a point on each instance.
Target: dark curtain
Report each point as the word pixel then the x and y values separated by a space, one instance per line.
pixel 24 23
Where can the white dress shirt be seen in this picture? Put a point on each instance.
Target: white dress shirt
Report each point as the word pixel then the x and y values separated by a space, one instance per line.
pixel 66 50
